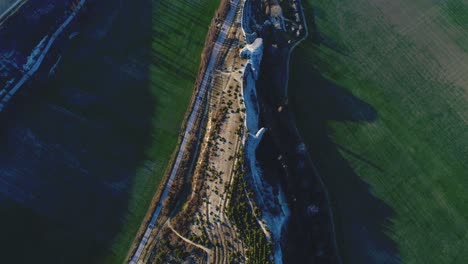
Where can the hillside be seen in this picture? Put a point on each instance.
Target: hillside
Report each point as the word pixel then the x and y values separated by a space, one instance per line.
pixel 5 4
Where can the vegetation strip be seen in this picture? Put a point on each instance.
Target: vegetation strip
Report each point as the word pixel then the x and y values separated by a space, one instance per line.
pixel 198 98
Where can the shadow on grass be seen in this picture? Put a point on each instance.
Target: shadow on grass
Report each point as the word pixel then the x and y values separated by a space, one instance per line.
pixel 70 146
pixel 362 220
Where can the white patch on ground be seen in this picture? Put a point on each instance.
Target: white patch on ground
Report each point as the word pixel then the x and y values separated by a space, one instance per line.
pixel 275 211
pixel 253 52
pixel 32 58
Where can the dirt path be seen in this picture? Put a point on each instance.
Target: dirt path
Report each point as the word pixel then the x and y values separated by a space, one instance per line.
pixel 225 98
pixel 207 250
pixel 202 91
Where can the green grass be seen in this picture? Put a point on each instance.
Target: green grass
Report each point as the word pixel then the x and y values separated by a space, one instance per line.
pixel 89 145
pixel 179 31
pixel 380 98
pixel 241 214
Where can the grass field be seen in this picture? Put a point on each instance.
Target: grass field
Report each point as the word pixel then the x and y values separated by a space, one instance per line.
pixel 379 90
pixel 82 156
pixel 179 31
pixel 170 48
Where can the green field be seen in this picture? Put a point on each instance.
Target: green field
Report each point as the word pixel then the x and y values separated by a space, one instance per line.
pixel 179 31
pixel 84 149
pixel 379 91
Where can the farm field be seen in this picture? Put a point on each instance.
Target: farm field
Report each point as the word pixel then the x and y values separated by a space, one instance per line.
pixel 85 153
pixel 379 90
pixel 178 36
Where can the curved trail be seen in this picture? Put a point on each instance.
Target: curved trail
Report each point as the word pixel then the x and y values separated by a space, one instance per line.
pixel 307 156
pixel 207 250
pixel 202 91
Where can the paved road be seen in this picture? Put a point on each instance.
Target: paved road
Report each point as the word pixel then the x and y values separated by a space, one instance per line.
pixel 202 91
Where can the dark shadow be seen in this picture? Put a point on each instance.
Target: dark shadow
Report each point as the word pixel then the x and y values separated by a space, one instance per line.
pixel 359 157
pixel 362 221
pixel 71 144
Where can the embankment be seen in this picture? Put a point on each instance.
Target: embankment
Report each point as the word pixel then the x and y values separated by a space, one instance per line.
pixel 190 130
pixel 309 236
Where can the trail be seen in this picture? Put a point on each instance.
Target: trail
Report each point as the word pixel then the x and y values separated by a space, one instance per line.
pixel 207 250
pixel 202 91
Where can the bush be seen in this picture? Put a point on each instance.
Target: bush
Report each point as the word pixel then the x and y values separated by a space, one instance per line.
pixel 239 211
